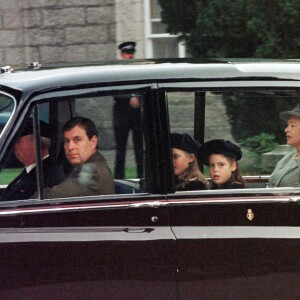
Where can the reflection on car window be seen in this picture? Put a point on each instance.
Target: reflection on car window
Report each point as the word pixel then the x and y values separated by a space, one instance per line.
pixel 6 109
pixel 250 119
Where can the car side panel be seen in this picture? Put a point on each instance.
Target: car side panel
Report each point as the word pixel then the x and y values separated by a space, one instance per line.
pixel 237 249
pixel 93 251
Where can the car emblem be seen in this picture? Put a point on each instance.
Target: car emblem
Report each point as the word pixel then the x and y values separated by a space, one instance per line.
pixel 250 214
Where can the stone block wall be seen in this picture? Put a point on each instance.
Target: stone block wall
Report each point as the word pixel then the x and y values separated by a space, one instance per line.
pixel 181 110
pixel 56 31
pixel 130 24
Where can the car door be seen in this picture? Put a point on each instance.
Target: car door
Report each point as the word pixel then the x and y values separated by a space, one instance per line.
pixel 96 247
pixel 87 249
pixel 233 246
pixel 239 243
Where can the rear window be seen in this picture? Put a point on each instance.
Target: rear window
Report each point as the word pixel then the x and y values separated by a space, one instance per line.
pixel 248 118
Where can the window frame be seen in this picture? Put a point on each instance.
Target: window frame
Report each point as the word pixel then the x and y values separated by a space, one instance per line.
pixel 151 103
pixel 243 85
pixel 150 36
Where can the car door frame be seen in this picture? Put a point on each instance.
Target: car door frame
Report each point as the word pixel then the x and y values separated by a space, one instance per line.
pixel 134 221
pixel 249 224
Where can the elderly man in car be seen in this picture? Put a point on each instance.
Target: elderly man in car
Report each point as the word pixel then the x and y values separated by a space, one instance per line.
pixel 25 185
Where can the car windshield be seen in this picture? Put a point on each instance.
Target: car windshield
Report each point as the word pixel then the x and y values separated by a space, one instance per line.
pixel 6 109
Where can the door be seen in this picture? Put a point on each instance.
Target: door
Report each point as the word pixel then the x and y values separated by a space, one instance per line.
pixel 239 243
pixel 117 246
pixel 236 247
pixel 92 249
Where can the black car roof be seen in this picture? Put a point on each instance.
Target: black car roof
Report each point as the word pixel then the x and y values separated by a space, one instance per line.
pixel 135 71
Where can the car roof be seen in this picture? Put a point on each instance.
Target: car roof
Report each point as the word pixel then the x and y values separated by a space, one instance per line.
pixel 147 71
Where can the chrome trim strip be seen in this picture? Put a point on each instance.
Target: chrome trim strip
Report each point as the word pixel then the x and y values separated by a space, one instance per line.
pixel 236 232
pixel 174 202
pixel 60 208
pixel 150 204
pixel 118 233
pixel 232 83
pixel 12 113
pixel 57 209
pixel 276 191
pixel 70 91
pixel 84 234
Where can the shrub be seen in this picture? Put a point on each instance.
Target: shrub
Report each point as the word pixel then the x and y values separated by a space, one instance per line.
pixel 258 145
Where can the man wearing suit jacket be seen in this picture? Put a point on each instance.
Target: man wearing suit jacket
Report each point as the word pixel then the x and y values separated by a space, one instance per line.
pixel 25 185
pixel 90 174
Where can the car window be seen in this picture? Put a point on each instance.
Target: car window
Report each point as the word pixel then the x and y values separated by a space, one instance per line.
pixel 11 166
pixel 115 116
pixel 6 108
pixel 248 118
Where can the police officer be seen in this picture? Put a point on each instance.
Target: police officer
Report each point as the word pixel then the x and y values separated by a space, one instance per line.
pixel 126 117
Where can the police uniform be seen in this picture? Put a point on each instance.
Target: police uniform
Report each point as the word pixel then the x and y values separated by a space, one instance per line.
pixel 126 118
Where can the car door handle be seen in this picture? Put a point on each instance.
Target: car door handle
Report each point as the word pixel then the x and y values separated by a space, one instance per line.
pixel 155 204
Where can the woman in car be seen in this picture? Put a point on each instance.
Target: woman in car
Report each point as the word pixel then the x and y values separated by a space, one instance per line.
pixel 286 173
pixel 222 159
pixel 185 151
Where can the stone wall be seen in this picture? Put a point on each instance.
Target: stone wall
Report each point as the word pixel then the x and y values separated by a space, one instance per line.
pixel 182 109
pixel 130 24
pixel 56 31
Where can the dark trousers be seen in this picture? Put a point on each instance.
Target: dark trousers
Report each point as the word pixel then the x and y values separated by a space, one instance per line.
pixel 124 121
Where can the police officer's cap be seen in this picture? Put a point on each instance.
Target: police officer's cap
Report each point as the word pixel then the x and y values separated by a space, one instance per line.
pixel 128 47
pixel 223 147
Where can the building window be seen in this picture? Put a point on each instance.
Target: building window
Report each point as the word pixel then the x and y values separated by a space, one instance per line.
pixel 159 43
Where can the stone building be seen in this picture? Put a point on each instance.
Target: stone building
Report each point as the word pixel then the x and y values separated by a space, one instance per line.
pixel 61 31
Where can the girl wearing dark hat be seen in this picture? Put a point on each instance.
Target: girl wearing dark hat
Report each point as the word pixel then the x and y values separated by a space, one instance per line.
pixel 222 159
pixel 188 175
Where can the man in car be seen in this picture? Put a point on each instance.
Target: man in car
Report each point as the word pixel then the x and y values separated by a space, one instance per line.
pixel 90 174
pixel 25 185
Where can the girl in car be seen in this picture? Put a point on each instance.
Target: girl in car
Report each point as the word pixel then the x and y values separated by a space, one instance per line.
pixel 188 176
pixel 222 159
